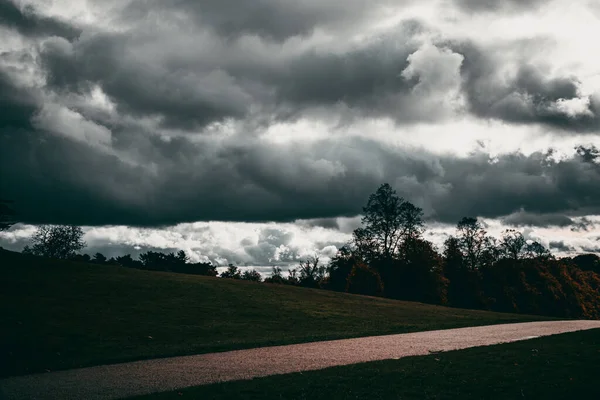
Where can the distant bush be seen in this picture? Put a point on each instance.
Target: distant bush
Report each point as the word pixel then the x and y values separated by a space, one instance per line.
pixel 252 275
pixel 276 276
pixel 232 272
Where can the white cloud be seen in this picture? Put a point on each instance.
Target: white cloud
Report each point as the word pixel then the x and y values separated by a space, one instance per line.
pixel 438 74
pixel 575 107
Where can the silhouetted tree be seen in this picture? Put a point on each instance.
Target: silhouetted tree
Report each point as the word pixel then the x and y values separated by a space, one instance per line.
pixel 128 262
pixel 56 241
pixel 513 244
pixel 157 261
pixel 474 242
pixel 201 268
pixel 364 280
pixel 388 219
pixel 276 276
pixel 232 272
pixel 339 268
pixel 463 283
pixel 182 257
pixel 537 250
pixel 415 275
pixel 252 275
pixel 587 262
pixel 292 278
pixel 311 273
pixel 99 258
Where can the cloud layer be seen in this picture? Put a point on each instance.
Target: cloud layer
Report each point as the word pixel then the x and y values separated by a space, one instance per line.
pixel 157 113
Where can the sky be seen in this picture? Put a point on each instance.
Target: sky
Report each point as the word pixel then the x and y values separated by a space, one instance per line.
pixel 253 132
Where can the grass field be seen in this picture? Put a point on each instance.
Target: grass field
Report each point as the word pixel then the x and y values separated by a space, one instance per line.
pixel 59 315
pixel 556 367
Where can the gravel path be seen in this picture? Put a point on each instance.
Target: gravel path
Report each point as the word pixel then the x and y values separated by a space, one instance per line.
pixel 143 377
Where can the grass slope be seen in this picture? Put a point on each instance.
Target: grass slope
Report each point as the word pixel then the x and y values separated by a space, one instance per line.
pixel 556 367
pixel 59 315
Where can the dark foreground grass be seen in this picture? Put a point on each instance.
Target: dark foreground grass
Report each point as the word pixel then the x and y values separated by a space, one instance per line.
pixel 58 315
pixel 557 367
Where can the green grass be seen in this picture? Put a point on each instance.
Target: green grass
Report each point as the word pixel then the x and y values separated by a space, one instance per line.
pixel 556 367
pixel 58 315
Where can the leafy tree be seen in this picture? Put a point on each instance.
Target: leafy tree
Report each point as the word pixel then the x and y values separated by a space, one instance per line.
pixel 417 275
pixel 158 261
pixel 153 260
pixel 587 262
pixel 537 250
pixel 201 268
pixel 182 257
pixel 364 280
pixel 463 282
pixel 128 262
pixel 473 241
pixel 56 241
pixel 6 215
pixel 339 268
pixel 232 272
pixel 99 258
pixel 252 275
pixel 388 219
pixel 513 244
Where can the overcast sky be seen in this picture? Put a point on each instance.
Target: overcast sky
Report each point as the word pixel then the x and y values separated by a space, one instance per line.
pixel 253 132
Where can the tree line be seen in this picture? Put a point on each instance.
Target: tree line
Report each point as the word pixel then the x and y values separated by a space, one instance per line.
pixel 389 256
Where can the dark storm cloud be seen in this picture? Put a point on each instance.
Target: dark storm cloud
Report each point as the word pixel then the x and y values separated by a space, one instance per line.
pixel 527 97
pixel 514 182
pixel 328 223
pixel 181 98
pixel 54 179
pixel 561 246
pixel 368 80
pixel 522 218
pixel 17 104
pixel 272 19
pixel 590 249
pixel 202 89
pixel 583 224
pixel 379 78
pixel 29 23
pixel 137 176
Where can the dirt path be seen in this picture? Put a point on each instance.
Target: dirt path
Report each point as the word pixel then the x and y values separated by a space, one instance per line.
pixel 143 377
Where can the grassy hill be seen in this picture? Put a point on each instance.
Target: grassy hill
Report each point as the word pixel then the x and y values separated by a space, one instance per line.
pixel 58 314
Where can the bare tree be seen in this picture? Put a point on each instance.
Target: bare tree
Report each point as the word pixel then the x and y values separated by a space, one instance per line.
pixel 311 273
pixel 56 241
